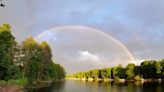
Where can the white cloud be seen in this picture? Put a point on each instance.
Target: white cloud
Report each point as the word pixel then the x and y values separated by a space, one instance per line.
pixel 87 56
pixel 137 62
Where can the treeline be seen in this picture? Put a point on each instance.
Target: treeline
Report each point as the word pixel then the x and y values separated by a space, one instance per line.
pixel 147 70
pixel 30 60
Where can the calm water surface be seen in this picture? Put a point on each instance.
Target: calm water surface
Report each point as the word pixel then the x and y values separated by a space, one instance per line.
pixel 86 86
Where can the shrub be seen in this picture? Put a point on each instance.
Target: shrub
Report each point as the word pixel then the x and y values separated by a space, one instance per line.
pixel 137 78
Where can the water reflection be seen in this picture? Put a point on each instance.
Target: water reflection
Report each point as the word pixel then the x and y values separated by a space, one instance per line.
pixel 54 87
pixel 95 86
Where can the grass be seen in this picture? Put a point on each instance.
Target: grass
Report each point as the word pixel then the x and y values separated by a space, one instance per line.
pixel 18 82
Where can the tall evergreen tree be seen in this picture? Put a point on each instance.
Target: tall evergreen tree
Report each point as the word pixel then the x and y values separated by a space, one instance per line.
pixel 7 41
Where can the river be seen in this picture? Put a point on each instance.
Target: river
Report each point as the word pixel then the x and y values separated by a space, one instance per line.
pixel 86 86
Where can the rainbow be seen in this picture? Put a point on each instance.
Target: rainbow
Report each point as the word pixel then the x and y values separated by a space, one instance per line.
pixel 62 28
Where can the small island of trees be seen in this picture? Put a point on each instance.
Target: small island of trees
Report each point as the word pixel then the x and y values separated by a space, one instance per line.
pixel 27 62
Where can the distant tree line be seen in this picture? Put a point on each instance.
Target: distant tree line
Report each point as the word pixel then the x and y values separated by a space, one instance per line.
pixel 29 59
pixel 147 70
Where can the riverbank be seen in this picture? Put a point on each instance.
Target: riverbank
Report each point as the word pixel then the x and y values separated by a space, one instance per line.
pixel 11 88
pixel 18 85
pixel 118 80
pixel 12 85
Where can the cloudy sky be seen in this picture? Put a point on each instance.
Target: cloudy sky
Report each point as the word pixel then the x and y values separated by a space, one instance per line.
pixel 134 24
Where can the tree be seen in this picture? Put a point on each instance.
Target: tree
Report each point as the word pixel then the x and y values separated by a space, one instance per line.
pixel 88 74
pixel 46 59
pixel 57 71
pixel 150 69
pixel 106 73
pixel 130 71
pixel 49 67
pixel 32 62
pixel 30 59
pixel 162 68
pixel 118 72
pixel 95 73
pixel 7 41
pixel 158 68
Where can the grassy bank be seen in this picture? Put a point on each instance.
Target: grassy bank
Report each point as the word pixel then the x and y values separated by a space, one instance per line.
pixel 19 82
pixel 12 85
pixel 22 84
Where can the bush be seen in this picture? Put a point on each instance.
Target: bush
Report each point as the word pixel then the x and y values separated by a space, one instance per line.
pixel 21 82
pixel 116 78
pixel 2 83
pixel 137 78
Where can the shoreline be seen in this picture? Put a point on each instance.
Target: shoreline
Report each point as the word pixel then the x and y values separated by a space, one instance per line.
pixel 118 80
pixel 11 88
pixel 7 87
pixel 17 88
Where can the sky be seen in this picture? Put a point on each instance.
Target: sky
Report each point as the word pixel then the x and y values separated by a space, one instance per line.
pixel 137 24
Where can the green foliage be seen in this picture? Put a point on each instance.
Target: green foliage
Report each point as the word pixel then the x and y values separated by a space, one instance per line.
pixel 130 71
pixel 38 63
pixel 95 73
pixel 88 74
pixel 7 41
pixel 137 78
pixel 21 81
pixel 13 72
pixel 57 71
pixel 119 72
pixel 158 67
pixel 162 68
pixel 32 59
pixel 148 70
pixel 151 69
pixel 106 73
pixel 27 61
